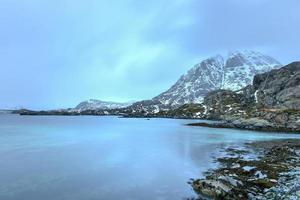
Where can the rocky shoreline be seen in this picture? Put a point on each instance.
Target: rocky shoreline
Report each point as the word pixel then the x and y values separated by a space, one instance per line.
pixel 254 124
pixel 262 170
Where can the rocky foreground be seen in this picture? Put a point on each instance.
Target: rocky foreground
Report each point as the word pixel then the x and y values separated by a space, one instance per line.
pixel 261 171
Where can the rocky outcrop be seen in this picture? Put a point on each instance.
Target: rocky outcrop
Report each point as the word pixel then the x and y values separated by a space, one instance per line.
pixel 289 124
pixel 272 103
pixel 272 174
pixel 279 88
pixel 223 102
pixel 187 111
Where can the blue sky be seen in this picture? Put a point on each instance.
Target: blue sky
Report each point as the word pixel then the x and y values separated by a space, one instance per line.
pixel 56 53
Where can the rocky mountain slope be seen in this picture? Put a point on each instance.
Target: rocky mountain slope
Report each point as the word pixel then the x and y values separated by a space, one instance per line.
pixel 279 89
pixel 94 104
pixel 271 103
pixel 196 83
pixel 232 73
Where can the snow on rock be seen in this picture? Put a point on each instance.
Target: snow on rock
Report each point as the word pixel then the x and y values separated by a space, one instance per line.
pixel 242 66
pixel 195 84
pixel 94 104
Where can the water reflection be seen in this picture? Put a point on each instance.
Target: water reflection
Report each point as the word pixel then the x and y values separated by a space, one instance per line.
pixel 81 158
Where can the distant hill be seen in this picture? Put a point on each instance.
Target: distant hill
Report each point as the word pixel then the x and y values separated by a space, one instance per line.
pixel 6 111
pixel 94 104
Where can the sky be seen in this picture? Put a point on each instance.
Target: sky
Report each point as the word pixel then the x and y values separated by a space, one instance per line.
pixel 57 53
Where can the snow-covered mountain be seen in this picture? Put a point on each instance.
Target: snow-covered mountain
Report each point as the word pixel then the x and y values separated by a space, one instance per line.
pixel 94 104
pixel 233 72
pixel 241 67
pixel 192 86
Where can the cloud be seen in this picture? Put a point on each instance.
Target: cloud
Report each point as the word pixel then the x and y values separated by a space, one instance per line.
pixel 56 53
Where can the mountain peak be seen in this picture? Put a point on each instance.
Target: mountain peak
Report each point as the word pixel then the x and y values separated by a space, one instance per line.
pixel 241 66
pixel 233 73
pixel 250 57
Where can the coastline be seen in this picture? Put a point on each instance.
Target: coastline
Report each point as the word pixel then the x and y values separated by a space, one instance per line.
pixel 249 124
pixel 263 170
pixel 254 123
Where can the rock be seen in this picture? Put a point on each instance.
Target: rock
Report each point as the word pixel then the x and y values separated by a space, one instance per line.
pixel 236 166
pixel 211 188
pixel 260 175
pixel 222 102
pixel 230 180
pixel 251 196
pixel 279 88
pixel 273 181
pixel 248 168
pixel 248 96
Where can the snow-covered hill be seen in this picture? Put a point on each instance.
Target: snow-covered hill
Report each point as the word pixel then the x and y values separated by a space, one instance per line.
pixel 233 72
pixel 94 104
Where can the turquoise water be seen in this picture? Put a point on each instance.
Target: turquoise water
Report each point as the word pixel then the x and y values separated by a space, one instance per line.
pixel 93 158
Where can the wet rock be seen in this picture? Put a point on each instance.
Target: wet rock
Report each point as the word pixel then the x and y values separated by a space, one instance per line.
pixel 211 188
pixel 236 166
pixel 263 183
pixel 273 175
pixel 230 180
pixel 255 123
pixel 248 168
pixel 260 175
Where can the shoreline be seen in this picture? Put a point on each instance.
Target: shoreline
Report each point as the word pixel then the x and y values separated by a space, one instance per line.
pixel 263 170
pixel 252 124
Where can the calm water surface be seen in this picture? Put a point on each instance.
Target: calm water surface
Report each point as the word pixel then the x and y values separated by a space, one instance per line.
pixel 94 158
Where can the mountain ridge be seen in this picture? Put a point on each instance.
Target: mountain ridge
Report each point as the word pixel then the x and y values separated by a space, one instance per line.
pixel 233 72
